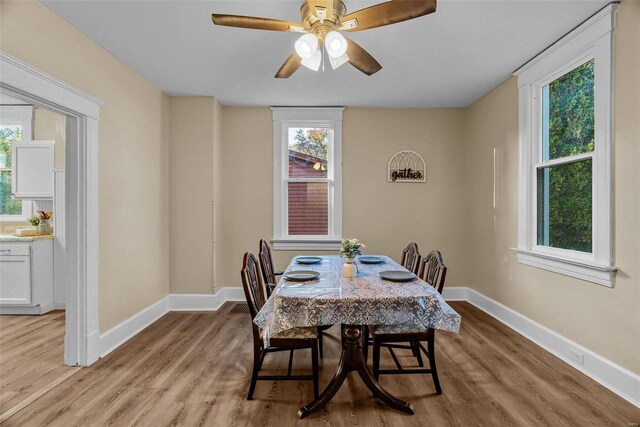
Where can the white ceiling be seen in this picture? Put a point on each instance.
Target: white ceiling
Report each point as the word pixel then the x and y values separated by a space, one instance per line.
pixel 447 59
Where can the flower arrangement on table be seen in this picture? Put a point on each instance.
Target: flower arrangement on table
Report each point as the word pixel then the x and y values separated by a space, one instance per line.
pixel 351 248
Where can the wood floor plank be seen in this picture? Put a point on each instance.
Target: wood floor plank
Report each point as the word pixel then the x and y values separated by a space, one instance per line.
pixel 192 369
pixel 31 355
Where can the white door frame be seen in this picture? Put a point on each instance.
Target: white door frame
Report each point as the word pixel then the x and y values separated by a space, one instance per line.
pixel 24 82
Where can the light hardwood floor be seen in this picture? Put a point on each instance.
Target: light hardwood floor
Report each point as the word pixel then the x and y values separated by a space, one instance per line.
pixel 31 355
pixel 193 369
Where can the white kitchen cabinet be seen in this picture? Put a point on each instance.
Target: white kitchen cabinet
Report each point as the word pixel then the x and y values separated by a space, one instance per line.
pixel 26 277
pixel 32 170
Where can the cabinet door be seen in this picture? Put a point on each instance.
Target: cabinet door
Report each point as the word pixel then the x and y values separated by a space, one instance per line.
pixel 15 280
pixel 32 166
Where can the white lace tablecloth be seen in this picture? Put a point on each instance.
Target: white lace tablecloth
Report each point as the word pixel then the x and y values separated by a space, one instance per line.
pixel 363 300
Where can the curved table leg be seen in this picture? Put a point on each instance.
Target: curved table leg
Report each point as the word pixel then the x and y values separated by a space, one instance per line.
pixel 352 359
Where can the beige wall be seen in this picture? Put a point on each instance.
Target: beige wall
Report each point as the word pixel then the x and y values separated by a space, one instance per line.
pixel 386 216
pixel 602 319
pixel 192 130
pixel 51 126
pixel 134 184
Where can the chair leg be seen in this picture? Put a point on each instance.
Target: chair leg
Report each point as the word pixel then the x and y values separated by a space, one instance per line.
pixel 376 359
pixel 257 364
pixel 320 343
pixel 432 361
pixel 417 353
pixel 314 367
pixel 290 363
pixel 365 342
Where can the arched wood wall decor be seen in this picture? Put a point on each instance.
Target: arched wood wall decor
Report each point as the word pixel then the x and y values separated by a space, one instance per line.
pixel 406 166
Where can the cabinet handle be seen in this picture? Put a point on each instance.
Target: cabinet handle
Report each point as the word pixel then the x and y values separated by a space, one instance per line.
pixel 5 250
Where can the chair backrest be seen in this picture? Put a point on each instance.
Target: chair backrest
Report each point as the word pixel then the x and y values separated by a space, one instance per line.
pixel 266 263
pixel 433 271
pixel 252 284
pixel 411 258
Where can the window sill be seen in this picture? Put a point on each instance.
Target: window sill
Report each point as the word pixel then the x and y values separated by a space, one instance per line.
pixel 305 245
pixel 591 272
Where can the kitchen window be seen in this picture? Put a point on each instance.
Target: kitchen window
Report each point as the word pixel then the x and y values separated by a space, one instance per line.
pixel 15 126
pixel 566 150
pixel 307 178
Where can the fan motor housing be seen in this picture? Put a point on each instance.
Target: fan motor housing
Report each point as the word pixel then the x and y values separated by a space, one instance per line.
pixel 331 21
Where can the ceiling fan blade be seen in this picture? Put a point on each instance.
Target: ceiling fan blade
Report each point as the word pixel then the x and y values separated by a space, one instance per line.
pixel 256 23
pixel 289 67
pixel 387 13
pixel 361 59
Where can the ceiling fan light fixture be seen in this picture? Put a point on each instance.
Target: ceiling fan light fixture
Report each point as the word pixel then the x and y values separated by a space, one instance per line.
pixel 337 62
pixel 336 44
pixel 306 46
pixel 313 63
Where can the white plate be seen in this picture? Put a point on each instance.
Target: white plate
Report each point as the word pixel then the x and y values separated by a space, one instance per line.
pixel 301 275
pixel 397 275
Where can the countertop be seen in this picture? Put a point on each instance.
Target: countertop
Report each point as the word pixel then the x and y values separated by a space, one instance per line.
pixel 12 238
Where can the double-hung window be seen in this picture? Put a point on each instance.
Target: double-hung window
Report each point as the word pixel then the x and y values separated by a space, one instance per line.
pixel 565 190
pixel 15 126
pixel 307 178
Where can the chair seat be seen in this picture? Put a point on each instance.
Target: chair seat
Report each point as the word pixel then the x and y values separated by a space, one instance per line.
pixel 403 328
pixel 295 333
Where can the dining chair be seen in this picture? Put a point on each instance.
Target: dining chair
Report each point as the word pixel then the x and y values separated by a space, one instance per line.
pixel 434 272
pixel 289 340
pixel 269 276
pixel 411 258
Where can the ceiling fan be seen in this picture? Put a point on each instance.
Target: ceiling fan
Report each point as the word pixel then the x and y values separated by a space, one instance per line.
pixel 322 21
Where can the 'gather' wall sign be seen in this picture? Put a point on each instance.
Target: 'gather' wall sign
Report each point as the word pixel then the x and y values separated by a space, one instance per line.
pixel 406 166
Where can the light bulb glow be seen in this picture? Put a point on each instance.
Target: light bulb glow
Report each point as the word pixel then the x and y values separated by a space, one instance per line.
pixel 306 46
pixel 335 44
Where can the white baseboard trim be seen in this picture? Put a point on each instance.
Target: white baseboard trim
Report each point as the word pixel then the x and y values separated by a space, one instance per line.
pixel 455 294
pixel 616 378
pixel 198 302
pixel 126 330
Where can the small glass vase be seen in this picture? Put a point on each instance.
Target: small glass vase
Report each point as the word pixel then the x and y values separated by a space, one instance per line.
pixel 349 268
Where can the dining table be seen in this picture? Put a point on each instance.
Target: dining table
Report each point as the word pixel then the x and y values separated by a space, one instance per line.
pixel 364 300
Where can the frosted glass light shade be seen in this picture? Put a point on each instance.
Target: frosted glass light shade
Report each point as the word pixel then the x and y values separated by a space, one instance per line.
pixel 336 44
pixel 336 62
pixel 306 46
pixel 313 63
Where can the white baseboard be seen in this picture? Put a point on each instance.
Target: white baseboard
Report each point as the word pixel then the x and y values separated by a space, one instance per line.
pixel 455 294
pixel 616 378
pixel 126 330
pixel 198 302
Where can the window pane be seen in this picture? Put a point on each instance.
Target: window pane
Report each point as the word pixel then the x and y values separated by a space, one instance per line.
pixel 8 134
pixel 308 208
pixel 568 114
pixel 308 152
pixel 8 206
pixel 565 206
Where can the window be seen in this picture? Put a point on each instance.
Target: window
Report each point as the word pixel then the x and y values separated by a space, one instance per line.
pixel 15 125
pixel 564 217
pixel 307 178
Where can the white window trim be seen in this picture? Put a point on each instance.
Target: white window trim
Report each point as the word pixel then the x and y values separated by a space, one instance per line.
pixel 283 118
pixel 21 115
pixel 592 39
